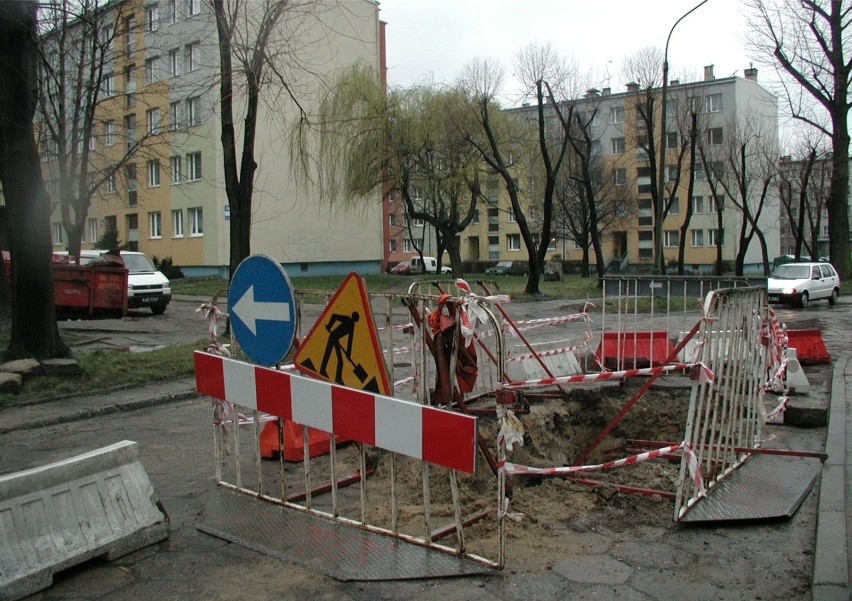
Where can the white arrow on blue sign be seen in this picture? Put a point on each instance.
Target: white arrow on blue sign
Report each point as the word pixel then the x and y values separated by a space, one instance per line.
pixel 262 309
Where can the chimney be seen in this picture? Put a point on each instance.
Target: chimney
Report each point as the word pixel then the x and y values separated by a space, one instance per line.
pixel 605 92
pixel 750 73
pixel 708 73
pixel 674 82
pixel 592 93
pixel 633 87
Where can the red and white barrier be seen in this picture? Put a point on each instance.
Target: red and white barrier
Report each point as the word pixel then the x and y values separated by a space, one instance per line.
pixel 435 435
pixel 703 374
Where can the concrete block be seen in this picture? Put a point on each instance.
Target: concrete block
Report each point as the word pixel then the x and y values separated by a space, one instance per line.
pixel 10 383
pixel 27 368
pixel 99 504
pixel 61 367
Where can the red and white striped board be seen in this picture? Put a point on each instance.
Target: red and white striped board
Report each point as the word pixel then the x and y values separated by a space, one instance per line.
pixel 435 435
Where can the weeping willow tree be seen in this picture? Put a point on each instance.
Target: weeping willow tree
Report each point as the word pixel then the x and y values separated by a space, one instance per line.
pixel 403 139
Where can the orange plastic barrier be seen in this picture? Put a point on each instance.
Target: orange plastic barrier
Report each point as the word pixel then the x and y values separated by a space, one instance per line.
pixel 634 348
pixel 809 345
pixel 294 441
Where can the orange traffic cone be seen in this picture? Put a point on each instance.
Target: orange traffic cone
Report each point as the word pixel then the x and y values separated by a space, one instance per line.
pixel 294 441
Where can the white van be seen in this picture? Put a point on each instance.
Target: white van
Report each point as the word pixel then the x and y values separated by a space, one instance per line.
pixel 146 286
pixel 431 264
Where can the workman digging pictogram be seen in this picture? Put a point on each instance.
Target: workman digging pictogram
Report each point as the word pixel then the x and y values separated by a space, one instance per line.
pixel 341 327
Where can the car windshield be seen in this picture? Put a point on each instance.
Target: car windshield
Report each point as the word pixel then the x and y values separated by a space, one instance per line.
pixel 792 272
pixel 138 263
pixel 504 264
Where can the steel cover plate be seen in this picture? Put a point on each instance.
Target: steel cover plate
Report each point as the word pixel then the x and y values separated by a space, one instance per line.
pixel 337 550
pixel 765 487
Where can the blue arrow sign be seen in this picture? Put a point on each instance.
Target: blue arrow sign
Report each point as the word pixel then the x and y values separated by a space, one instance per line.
pixel 262 309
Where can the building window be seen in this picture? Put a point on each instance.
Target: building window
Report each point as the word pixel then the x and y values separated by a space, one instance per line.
pixel 672 173
pixel 513 241
pixel 194 7
pixel 151 70
pixel 416 223
pixel 646 245
pixel 110 133
pixel 512 217
pixel 714 103
pixel 153 173
pixel 57 233
pixel 192 56
pixel 110 183
pixel 406 245
pixel 130 85
pixel 93 230
pixel 108 85
pixel 130 131
pixel 475 218
pixel 715 237
pixel 672 140
pixel 193 166
pixel 697 237
pixel 152 18
pixel 177 223
pixel 392 220
pixel 176 167
pixel 697 205
pixel 619 176
pixel 154 121
pixel 193 111
pixel 196 221
pixel 616 114
pixel 174 116
pixel 674 206
pixel 714 136
pixel 155 224
pixel 174 63
pixel 671 238
pixel 129 35
pixel 174 12
pixel 716 203
pixel 392 246
pixel 617 145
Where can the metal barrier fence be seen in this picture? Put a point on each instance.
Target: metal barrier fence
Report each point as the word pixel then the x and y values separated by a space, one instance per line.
pixel 725 414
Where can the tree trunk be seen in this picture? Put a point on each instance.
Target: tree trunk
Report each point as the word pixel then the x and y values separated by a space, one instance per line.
pixel 34 330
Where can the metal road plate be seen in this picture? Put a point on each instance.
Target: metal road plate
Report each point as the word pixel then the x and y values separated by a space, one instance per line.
pixel 337 550
pixel 765 487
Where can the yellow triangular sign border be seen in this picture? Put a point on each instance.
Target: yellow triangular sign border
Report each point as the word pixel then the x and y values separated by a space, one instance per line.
pixel 318 337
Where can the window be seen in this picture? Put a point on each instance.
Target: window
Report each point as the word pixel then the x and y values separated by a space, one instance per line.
pixel 672 173
pixel 617 145
pixel 155 224
pixel 93 229
pixel 196 221
pixel 697 206
pixel 109 85
pixel 672 140
pixel 674 207
pixel 475 218
pixel 151 70
pixel 174 12
pixel 177 223
pixel 57 233
pixel 92 140
pixel 154 121
pixel 616 114
pixel 714 103
pixel 192 56
pixel 174 63
pixel 392 220
pixel 193 111
pixel 193 166
pixel 716 203
pixel 392 245
pixel 176 164
pixel 646 212
pixel 153 173
pixel 646 245
pixel 130 171
pixel 406 245
pixel 194 7
pixel 129 35
pixel 714 136
pixel 694 104
pixel 174 116
pixel 671 238
pixel 513 242
pixel 110 183
pixel 597 148
pixel 715 237
pixel 512 218
pixel 697 237
pixel 152 18
pixel 619 176
pixel 110 133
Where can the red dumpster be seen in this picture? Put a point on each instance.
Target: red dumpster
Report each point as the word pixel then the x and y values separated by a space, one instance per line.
pixel 90 289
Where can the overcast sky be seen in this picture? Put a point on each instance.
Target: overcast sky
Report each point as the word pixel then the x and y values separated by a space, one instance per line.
pixel 436 38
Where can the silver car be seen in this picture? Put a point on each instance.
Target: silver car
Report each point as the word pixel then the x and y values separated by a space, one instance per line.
pixel 800 283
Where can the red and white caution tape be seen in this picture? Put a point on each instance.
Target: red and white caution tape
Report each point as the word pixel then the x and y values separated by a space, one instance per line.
pixel 776 416
pixel 698 370
pixel 692 463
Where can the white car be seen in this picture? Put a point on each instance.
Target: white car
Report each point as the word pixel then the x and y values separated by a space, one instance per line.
pixel 431 264
pixel 146 285
pixel 800 283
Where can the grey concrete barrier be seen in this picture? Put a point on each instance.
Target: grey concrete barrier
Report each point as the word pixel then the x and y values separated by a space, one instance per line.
pixel 52 517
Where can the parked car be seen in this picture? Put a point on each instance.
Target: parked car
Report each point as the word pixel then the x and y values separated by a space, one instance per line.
pixel 509 268
pixel 401 268
pixel 800 283
pixel 146 285
pixel 431 263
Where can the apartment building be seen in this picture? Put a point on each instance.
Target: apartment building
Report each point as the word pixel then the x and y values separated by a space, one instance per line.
pixel 728 109
pixel 157 133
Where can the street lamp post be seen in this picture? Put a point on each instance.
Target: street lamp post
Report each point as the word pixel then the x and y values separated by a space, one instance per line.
pixel 661 196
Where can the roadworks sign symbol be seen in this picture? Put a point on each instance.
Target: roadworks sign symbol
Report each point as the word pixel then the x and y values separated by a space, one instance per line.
pixel 343 346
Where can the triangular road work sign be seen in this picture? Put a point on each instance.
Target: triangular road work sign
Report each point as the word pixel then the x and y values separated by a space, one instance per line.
pixel 343 346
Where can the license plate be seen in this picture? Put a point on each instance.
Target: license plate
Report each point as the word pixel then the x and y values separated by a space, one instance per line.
pixel 149 300
pixel 774 297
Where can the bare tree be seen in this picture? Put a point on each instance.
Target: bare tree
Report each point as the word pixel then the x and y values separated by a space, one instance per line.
pixel 804 188
pixel 34 330
pixel 809 40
